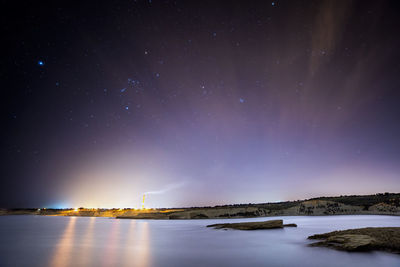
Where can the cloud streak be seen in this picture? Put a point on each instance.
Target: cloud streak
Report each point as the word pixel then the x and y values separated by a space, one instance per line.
pixel 166 189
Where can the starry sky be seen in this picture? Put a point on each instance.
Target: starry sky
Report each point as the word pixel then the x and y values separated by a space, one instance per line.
pixel 198 102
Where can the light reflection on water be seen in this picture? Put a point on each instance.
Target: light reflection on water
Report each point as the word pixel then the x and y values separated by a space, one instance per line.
pixel 110 255
pixel 136 251
pixel 86 243
pixel 130 243
pixel 143 245
pixel 62 253
pixel 82 241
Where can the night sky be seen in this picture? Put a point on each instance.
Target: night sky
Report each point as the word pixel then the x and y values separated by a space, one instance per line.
pixel 198 102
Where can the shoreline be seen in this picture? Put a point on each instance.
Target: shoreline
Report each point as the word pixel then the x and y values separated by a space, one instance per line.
pixel 378 204
pixel 183 219
pixel 298 208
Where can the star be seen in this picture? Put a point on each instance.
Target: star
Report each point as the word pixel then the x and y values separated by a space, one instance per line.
pixel 241 100
pixel 40 63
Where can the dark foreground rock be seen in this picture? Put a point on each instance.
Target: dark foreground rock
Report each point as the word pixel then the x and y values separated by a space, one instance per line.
pixel 273 224
pixel 363 239
pixel 290 225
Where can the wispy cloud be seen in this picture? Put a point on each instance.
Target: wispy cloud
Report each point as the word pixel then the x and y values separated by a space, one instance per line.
pixel 166 189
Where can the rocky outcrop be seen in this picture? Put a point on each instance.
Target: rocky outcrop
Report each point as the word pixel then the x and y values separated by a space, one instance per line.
pixel 290 225
pixel 206 213
pixel 307 208
pixel 272 224
pixel 323 207
pixel 383 208
pixel 363 239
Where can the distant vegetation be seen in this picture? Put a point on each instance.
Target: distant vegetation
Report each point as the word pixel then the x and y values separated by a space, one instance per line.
pixel 355 200
pixel 367 200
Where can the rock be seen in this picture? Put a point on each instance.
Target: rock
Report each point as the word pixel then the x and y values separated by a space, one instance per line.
pixel 363 239
pixel 273 224
pixel 290 225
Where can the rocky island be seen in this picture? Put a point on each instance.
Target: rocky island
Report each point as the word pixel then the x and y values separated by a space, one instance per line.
pixel 363 239
pixel 272 224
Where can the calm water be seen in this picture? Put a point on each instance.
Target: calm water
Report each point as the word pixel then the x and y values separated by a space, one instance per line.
pixel 80 241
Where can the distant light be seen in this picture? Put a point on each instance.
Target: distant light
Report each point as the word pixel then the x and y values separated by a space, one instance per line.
pixel 76 209
pixel 273 3
pixel 241 100
pixel 40 63
pixel 126 107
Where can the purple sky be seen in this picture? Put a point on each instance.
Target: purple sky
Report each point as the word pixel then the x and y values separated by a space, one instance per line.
pixel 199 102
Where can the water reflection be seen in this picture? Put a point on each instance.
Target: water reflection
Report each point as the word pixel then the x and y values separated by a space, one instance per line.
pixel 86 244
pixel 111 250
pixel 137 245
pixel 123 244
pixel 130 243
pixel 99 242
pixel 142 255
pixel 63 253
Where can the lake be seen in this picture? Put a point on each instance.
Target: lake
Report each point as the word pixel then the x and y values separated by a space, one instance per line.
pixel 84 241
